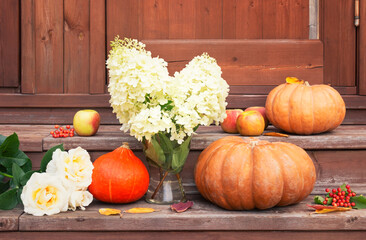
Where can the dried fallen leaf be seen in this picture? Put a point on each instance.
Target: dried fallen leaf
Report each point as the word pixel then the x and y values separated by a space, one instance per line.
pixel 275 134
pixel 140 210
pixel 182 206
pixel 326 209
pixel 109 211
pixel 294 80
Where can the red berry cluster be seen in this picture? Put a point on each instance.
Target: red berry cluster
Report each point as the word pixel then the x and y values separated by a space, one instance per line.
pixel 61 132
pixel 340 198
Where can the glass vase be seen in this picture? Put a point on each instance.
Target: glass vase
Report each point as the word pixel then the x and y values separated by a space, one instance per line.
pixel 166 160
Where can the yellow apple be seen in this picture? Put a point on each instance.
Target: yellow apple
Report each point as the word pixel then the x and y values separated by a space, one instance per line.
pixel 250 123
pixel 86 122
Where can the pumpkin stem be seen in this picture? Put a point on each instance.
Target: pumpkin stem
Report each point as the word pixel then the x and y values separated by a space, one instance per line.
pixel 306 83
pixel 125 145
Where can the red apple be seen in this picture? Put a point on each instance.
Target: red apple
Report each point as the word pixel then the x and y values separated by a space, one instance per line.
pixel 229 124
pixel 250 123
pixel 86 122
pixel 262 111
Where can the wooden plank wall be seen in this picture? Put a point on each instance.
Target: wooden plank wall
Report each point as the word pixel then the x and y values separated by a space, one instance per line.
pixel 63 46
pixel 9 43
pixel 338 33
pixel 208 19
pixel 362 50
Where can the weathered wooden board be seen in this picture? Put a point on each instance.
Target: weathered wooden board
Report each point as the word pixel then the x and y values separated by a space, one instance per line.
pixel 9 219
pixel 179 235
pixel 352 137
pixel 361 50
pixel 248 62
pixel 203 216
pixel 9 43
pixel 339 36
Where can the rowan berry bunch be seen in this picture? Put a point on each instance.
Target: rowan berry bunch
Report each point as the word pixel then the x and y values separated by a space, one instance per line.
pixel 62 132
pixel 341 197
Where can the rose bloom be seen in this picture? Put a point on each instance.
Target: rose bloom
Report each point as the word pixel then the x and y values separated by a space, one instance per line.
pixel 80 199
pixel 44 194
pixel 73 168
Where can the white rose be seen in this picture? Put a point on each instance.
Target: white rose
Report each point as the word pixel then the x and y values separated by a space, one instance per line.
pixel 80 199
pixel 74 168
pixel 44 194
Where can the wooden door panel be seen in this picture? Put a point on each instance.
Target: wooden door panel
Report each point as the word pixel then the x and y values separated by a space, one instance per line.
pixel 9 43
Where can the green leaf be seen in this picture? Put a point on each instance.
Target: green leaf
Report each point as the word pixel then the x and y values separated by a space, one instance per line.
pixel 360 202
pixel 48 156
pixel 26 177
pixel 18 173
pixel 8 161
pixel 10 146
pixel 8 199
pixel 343 187
pixel 2 139
pixel 180 155
pixel 319 199
pixel 330 200
pixel 4 186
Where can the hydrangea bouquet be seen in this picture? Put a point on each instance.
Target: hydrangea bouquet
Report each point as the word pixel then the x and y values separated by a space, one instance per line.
pixel 163 111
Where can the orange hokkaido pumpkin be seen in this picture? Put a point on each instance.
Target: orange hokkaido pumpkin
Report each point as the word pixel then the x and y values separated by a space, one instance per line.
pixel 119 177
pixel 238 174
pixel 297 107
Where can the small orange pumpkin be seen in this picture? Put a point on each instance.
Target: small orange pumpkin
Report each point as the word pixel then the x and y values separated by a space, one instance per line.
pixel 119 177
pixel 297 107
pixel 238 174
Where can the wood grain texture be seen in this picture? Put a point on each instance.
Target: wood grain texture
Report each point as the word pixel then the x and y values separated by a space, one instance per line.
pixel 155 19
pixel 362 50
pixel 49 46
pixel 182 19
pixel 343 137
pixel 209 19
pixel 229 19
pixel 9 43
pixel 97 47
pixel 123 19
pixel 76 46
pixel 249 20
pixel 9 220
pixel 203 216
pixel 178 235
pixel 248 62
pixel 8 100
pixel 28 46
pixel 339 37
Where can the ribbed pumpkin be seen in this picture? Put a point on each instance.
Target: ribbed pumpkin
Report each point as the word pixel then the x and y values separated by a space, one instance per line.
pixel 297 107
pixel 238 174
pixel 119 177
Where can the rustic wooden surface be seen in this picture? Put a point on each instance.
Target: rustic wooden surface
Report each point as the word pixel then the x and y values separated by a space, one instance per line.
pixel 109 138
pixel 9 219
pixel 339 35
pixel 203 216
pixel 248 62
pixel 9 43
pixel 179 235
pixel 362 48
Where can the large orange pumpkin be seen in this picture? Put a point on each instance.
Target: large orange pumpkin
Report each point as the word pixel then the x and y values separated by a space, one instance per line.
pixel 119 177
pixel 297 107
pixel 238 174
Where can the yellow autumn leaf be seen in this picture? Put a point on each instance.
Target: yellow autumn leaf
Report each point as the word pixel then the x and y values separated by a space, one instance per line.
pixel 275 134
pixel 294 80
pixel 140 210
pixel 109 211
pixel 327 210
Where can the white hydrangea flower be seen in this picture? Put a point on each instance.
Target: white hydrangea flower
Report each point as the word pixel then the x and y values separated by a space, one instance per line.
pixel 74 168
pixel 147 100
pixel 44 194
pixel 80 199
